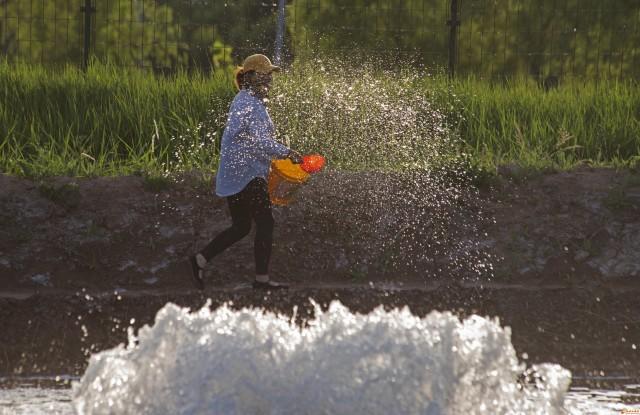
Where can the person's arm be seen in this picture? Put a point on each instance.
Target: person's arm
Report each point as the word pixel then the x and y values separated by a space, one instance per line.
pixel 260 130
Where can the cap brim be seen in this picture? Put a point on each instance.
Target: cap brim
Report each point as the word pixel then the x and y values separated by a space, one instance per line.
pixel 275 68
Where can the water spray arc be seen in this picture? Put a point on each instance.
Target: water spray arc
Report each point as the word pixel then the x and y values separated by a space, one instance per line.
pixel 397 177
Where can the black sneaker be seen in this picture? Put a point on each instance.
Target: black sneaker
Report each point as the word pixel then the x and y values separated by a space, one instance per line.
pixel 270 285
pixel 197 273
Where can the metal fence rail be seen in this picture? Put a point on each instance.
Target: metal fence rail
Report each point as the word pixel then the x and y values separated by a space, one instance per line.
pixel 548 39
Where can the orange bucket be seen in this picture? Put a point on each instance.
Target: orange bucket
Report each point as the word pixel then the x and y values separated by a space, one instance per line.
pixel 285 179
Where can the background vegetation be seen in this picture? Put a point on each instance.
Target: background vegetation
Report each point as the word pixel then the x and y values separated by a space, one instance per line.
pixel 120 121
pixel 497 38
pixel 588 39
pixel 541 83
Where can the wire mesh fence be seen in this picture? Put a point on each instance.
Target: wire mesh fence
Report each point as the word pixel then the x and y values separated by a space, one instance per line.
pixel 547 39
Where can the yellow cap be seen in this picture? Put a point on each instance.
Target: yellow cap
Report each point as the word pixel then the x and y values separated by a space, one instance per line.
pixel 259 63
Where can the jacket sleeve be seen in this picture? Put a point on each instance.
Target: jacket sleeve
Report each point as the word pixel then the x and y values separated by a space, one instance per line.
pixel 261 134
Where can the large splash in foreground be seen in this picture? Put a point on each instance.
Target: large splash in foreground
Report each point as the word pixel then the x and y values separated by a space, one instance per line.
pixel 252 362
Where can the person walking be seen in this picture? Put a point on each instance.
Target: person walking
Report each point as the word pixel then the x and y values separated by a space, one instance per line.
pixel 247 149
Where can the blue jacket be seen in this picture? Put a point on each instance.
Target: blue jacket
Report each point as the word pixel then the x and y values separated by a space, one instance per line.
pixel 248 145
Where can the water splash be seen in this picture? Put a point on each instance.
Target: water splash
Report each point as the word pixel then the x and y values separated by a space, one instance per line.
pixel 400 180
pixel 362 119
pixel 255 362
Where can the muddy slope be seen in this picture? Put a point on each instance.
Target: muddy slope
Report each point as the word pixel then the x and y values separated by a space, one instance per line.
pixel 573 229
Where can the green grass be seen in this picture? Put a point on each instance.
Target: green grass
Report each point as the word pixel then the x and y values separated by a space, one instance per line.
pixel 108 121
pixel 112 121
pixel 577 123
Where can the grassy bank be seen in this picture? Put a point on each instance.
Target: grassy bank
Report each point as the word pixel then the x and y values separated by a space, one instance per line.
pixel 576 123
pixel 113 121
pixel 108 121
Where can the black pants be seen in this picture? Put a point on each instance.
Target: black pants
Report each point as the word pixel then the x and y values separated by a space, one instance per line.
pixel 252 203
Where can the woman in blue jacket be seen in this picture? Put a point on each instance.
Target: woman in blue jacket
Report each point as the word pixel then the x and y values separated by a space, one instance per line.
pixel 247 149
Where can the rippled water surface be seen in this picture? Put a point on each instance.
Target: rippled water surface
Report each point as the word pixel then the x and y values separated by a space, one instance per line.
pixel 39 401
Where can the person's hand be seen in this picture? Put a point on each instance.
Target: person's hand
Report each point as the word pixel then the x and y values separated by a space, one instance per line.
pixel 295 157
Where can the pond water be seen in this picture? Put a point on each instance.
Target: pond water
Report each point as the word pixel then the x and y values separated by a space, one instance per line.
pixel 250 361
pixel 25 398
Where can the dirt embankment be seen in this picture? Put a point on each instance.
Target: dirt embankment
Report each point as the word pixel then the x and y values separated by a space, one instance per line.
pixel 578 228
pixel 564 248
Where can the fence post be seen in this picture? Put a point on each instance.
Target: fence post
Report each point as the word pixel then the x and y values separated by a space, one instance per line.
pixel 87 9
pixel 453 24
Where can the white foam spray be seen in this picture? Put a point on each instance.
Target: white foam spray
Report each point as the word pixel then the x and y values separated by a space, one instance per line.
pixel 255 362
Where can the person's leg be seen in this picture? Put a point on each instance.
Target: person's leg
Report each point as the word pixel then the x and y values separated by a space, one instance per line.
pixel 240 209
pixel 263 217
